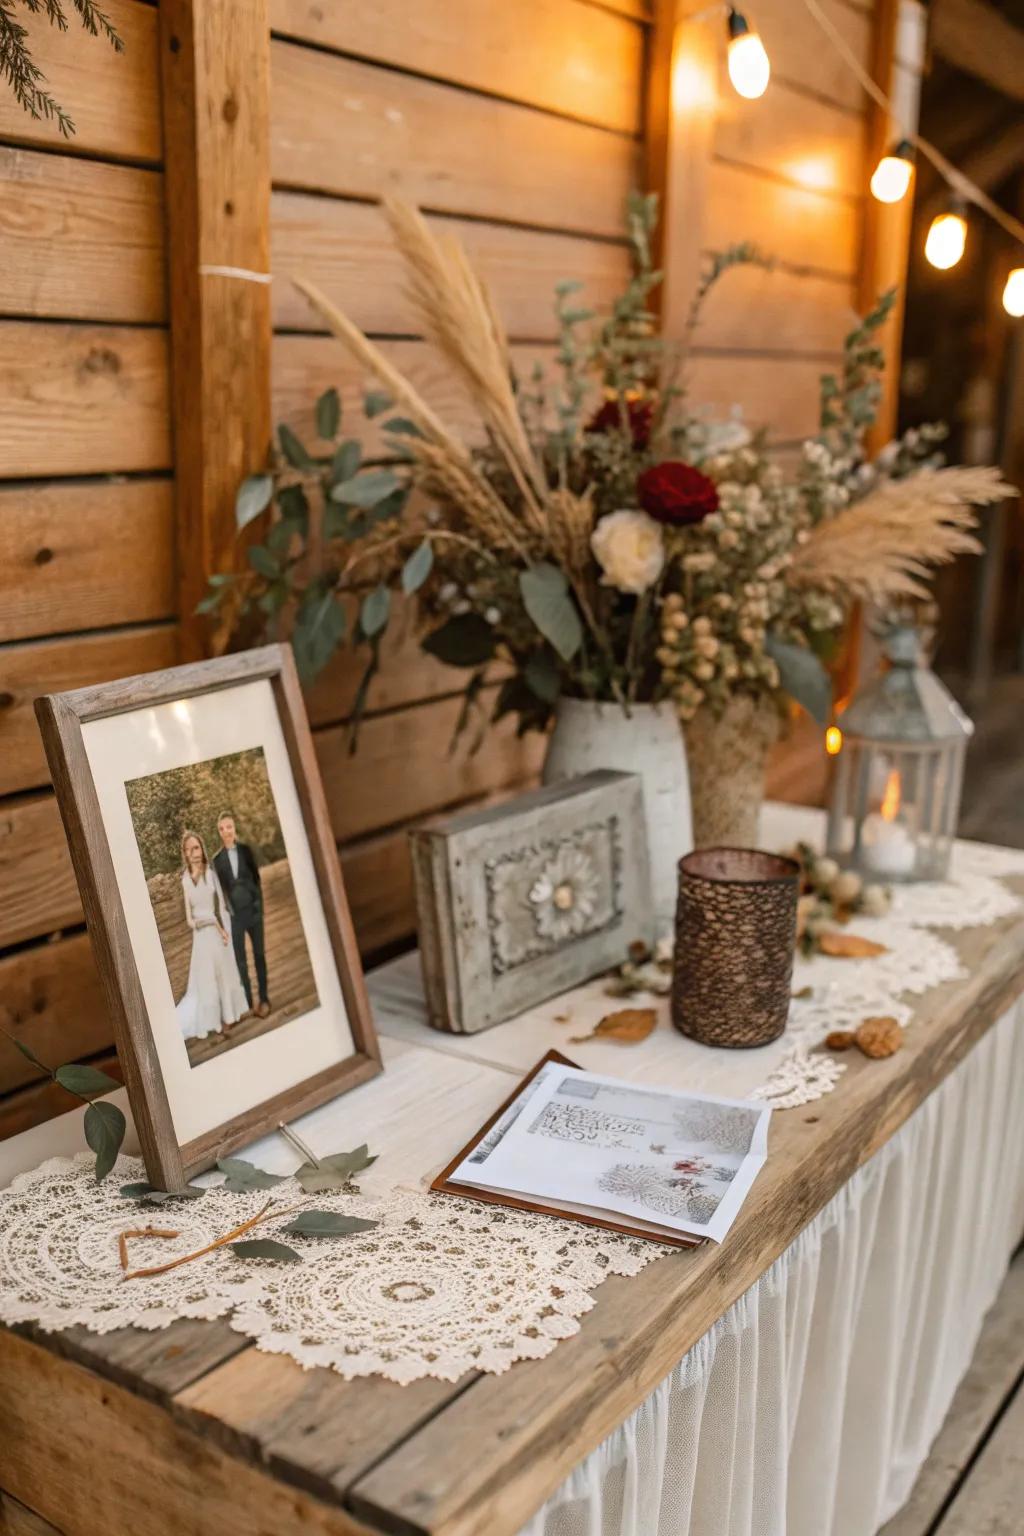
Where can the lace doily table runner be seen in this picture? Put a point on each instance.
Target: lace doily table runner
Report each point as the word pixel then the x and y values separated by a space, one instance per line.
pixel 439 1287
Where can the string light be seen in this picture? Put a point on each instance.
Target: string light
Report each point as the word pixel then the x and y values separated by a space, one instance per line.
pixel 833 741
pixel 1013 293
pixel 892 174
pixel 948 233
pixel 749 68
pixel 947 237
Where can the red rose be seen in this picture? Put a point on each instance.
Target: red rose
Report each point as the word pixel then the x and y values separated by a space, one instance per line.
pixel 676 494
pixel 639 412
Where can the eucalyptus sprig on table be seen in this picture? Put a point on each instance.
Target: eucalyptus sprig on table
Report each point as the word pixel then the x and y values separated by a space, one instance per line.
pixel 105 1128
pixel 242 1177
pixel 104 1123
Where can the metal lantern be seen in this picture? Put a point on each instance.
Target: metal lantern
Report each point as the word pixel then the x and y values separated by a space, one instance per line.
pixel 899 770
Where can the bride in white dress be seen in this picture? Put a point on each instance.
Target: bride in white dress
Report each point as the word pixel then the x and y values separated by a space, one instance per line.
pixel 214 997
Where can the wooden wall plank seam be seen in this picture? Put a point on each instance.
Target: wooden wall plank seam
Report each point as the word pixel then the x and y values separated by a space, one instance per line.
pixel 82 399
pixel 55 665
pixel 336 241
pixel 82 240
pixel 450 150
pixel 580 64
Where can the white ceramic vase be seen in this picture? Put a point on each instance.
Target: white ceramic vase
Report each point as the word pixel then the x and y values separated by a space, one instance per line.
pixel 649 741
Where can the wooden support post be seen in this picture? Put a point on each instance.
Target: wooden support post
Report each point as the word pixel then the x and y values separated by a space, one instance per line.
pixel 897 62
pixel 215 73
pixel 682 96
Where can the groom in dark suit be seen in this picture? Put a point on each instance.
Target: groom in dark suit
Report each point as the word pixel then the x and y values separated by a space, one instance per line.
pixel 239 876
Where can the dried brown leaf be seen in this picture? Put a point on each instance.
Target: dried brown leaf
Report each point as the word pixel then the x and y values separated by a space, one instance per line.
pixel 628 1025
pixel 849 946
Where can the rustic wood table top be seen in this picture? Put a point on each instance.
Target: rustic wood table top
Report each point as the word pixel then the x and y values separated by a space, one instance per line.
pixel 192 1428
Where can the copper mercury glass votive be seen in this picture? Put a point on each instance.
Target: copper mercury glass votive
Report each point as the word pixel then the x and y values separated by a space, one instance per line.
pixel 735 942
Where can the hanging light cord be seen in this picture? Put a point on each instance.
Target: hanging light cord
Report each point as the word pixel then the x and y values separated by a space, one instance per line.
pixel 956 179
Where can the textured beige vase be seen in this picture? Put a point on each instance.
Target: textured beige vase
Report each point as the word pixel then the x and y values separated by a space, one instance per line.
pixel 727 756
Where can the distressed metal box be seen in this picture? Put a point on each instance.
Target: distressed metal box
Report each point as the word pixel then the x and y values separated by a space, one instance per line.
pixel 520 902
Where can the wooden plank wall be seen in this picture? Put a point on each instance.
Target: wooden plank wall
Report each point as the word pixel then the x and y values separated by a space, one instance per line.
pixel 517 127
pixel 87 578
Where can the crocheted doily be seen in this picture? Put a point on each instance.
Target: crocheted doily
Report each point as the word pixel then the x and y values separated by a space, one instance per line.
pixel 440 1287
pixel 832 994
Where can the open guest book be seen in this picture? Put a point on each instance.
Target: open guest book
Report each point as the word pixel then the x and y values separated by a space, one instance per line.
pixel 649 1162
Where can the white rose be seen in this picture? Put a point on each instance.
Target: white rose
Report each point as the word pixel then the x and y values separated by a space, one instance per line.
pixel 630 550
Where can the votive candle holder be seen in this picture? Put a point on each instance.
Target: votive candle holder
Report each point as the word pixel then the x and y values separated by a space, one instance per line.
pixel 735 943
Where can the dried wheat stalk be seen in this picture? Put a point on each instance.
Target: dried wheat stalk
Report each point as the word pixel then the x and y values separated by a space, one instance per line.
pixel 374 361
pixel 570 524
pixel 449 470
pixel 458 316
pixel 885 545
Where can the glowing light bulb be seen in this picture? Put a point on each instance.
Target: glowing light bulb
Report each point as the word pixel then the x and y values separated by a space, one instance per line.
pixel 833 741
pixel 893 172
pixel 946 240
pixel 749 69
pixel 1013 293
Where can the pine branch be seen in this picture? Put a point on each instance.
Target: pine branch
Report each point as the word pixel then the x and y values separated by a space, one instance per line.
pixel 23 75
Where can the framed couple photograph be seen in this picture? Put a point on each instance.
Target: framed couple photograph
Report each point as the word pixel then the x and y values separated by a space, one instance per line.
pixel 209 875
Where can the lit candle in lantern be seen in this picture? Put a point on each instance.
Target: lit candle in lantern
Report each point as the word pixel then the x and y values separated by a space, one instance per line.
pixel 887 845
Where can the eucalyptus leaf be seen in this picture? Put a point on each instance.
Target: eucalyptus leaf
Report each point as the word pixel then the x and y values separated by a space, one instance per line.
pixel 328 1224
pixel 293 505
pixel 265 1248
pixel 465 640
pixel 293 450
pixel 417 568
pixel 263 561
pixel 376 402
pixel 328 414
pixel 802 676
pixel 104 1133
pixel 546 599
pixel 391 506
pixel 542 676
pixel 280 535
pixel 210 603
pixel 319 630
pixel 254 496
pixel 367 489
pixel 401 426
pixel 347 459
pixel 85 1081
pixel 335 1171
pixel 243 1176
pixel 373 616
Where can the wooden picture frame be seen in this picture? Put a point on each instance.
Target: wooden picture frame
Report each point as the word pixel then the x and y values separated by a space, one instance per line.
pixel 62 717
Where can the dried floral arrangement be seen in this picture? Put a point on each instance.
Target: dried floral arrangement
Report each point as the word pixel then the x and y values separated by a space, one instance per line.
pixel 599 538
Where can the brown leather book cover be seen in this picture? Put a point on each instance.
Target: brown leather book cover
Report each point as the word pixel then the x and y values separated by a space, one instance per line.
pixel 445 1185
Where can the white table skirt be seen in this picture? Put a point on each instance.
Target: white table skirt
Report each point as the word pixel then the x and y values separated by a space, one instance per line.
pixel 810 1407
